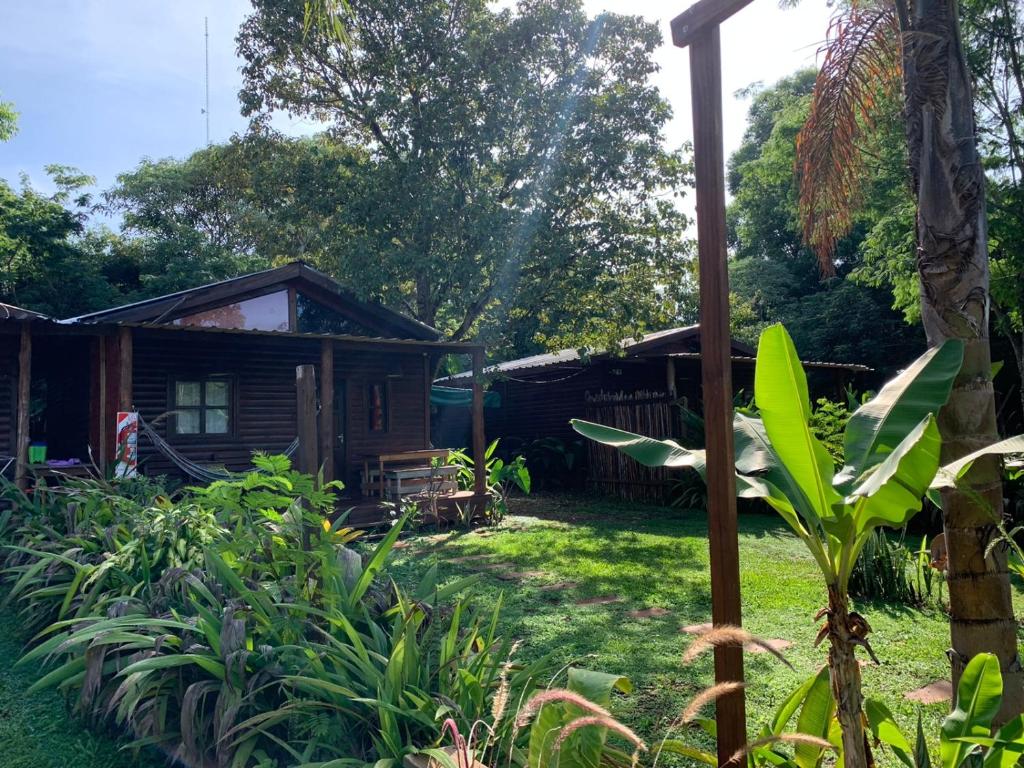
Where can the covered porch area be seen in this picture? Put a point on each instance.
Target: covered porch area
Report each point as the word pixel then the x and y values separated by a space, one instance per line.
pixel 358 406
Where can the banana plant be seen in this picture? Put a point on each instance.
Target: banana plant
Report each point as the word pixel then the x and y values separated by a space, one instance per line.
pixel 966 735
pixel 891 449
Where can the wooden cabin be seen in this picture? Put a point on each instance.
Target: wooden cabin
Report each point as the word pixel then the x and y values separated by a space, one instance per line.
pixel 212 370
pixel 645 388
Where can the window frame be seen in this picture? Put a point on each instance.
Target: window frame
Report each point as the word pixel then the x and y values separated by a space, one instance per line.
pixel 385 386
pixel 202 379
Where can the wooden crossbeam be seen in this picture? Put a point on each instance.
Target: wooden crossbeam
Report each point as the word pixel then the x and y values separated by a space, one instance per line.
pixel 701 16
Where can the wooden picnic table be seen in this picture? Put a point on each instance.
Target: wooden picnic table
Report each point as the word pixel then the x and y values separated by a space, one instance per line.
pixel 404 465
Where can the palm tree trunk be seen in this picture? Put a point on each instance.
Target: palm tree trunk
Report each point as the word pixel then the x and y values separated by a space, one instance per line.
pixel 846 684
pixel 952 261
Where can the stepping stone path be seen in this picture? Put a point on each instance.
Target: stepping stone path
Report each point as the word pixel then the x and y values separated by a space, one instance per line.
pixel 933 693
pixel 603 600
pixel 696 629
pixel 648 613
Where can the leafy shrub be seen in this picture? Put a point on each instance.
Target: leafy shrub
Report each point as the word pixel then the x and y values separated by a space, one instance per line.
pixel 237 626
pixel 882 571
pixel 828 424
pixel 501 477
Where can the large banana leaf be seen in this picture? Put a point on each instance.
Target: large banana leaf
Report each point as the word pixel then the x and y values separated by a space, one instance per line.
pixel 879 425
pixel 646 450
pixel 977 701
pixel 815 718
pixel 950 474
pixel 891 494
pixel 780 391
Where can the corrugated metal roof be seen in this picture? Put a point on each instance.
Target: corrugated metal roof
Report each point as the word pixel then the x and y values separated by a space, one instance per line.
pixel 11 312
pixel 815 364
pixel 166 307
pixel 548 359
pixel 632 347
pixel 451 346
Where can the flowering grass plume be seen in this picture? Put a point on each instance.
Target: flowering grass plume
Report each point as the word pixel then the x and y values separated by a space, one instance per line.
pixel 729 635
pixel 705 697
pixel 603 722
pixel 558 695
pixel 791 738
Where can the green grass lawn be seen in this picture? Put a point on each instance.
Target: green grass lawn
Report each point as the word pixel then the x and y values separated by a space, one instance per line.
pixel 654 557
pixel 37 730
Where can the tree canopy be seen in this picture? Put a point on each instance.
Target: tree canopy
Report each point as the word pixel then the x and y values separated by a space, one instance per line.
pixel 517 170
pixel 775 276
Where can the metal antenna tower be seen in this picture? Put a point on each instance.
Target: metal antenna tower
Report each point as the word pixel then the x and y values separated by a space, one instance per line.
pixel 206 110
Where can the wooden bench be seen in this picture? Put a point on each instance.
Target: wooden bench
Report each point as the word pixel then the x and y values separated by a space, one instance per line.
pixel 394 475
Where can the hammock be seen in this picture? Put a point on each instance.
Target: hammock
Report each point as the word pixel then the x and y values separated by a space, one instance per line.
pixel 191 468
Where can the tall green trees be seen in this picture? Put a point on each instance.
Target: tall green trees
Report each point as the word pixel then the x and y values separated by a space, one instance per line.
pixel 520 174
pixel 775 276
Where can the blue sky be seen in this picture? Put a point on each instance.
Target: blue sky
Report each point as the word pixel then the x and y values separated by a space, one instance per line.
pixel 101 84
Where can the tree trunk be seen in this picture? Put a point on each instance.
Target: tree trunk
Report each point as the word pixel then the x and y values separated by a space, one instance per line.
pixel 952 261
pixel 846 685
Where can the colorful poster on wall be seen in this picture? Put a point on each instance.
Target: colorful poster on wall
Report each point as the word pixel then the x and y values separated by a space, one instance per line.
pixel 126 447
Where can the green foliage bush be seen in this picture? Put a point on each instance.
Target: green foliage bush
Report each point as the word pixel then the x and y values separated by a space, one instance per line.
pixel 236 626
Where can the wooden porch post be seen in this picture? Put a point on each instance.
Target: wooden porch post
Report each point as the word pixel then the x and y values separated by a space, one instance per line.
pixel 101 420
pixel 697 27
pixel 428 383
pixel 125 368
pixel 327 429
pixel 479 441
pixel 24 395
pixel 305 409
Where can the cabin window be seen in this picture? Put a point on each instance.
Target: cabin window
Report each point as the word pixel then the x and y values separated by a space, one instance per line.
pixel 314 317
pixel 202 406
pixel 261 313
pixel 378 406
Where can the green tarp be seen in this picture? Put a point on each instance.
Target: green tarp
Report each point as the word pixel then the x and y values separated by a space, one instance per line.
pixel 454 397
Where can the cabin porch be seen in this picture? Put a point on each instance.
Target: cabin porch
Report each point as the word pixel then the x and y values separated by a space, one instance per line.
pixel 214 396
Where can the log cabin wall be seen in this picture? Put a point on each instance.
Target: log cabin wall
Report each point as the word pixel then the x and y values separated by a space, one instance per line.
pixel 8 390
pixel 262 372
pixel 531 409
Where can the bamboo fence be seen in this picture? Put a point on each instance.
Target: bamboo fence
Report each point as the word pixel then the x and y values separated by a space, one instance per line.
pixel 648 413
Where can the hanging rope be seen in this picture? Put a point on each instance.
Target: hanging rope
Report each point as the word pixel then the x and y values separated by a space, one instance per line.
pixel 191 468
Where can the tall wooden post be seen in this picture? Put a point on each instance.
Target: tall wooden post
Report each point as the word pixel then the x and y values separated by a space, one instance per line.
pixel 428 384
pixel 328 432
pixel 24 397
pixel 697 27
pixel 479 441
pixel 103 423
pixel 305 409
pixel 125 368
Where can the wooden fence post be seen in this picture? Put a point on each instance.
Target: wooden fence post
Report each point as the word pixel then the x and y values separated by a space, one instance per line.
pixel 327 428
pixel 24 396
pixel 305 401
pixel 126 369
pixel 479 440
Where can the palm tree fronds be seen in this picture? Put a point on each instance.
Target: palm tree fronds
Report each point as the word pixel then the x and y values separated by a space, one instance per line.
pixel 863 61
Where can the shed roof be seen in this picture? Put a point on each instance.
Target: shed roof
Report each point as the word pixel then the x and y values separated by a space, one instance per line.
pixel 11 312
pixel 296 273
pixel 647 346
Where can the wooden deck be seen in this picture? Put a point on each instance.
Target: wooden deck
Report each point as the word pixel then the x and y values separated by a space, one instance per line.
pixel 372 513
